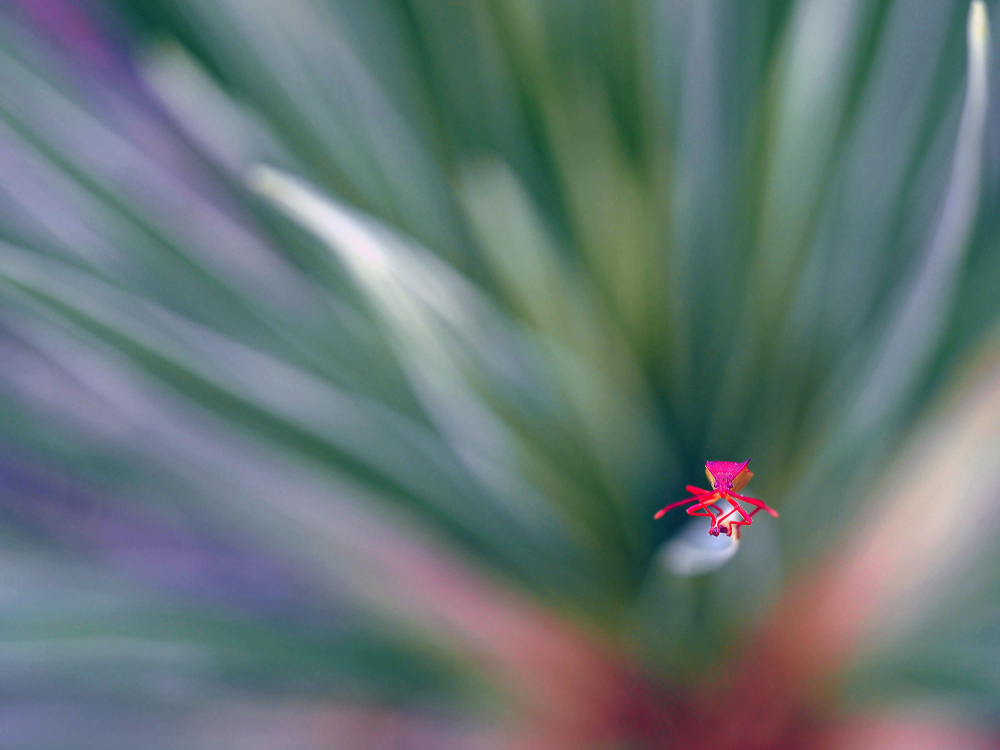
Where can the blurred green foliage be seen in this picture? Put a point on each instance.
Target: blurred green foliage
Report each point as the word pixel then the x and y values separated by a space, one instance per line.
pixel 516 269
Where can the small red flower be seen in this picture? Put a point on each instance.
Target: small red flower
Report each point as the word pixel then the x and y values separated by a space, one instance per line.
pixel 727 478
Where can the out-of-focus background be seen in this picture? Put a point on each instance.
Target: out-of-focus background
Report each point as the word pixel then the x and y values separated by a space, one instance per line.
pixel 347 348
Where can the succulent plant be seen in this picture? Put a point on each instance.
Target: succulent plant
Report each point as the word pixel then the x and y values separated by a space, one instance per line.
pixel 347 349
